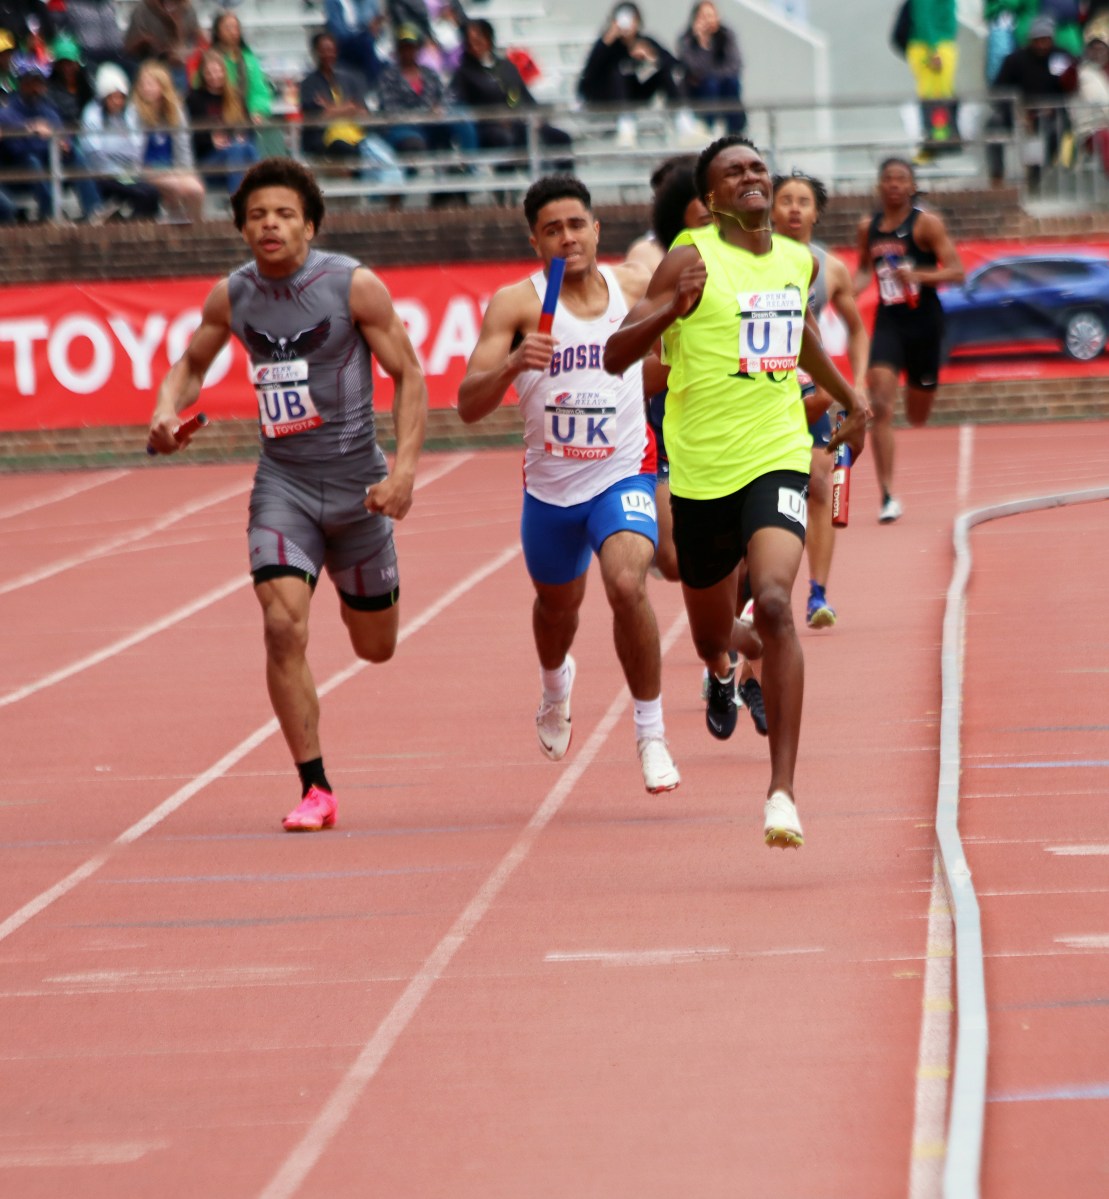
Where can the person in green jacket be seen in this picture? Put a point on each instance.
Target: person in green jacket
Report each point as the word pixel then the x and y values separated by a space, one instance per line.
pixel 244 71
pixel 933 55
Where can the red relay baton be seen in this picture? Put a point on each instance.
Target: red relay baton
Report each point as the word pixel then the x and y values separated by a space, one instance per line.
pixel 185 429
pixel 550 300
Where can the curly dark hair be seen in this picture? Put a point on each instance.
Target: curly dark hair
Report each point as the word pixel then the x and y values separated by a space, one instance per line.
pixel 554 187
pixel 662 171
pixel 673 197
pixel 709 153
pixel 280 172
pixel 818 189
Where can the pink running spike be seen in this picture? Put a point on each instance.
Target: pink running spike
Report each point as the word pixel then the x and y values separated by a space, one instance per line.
pixel 317 810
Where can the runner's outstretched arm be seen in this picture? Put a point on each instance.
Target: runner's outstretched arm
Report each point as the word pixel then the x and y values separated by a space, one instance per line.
pixel 184 379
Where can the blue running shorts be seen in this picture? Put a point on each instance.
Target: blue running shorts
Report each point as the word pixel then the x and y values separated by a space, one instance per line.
pixel 559 542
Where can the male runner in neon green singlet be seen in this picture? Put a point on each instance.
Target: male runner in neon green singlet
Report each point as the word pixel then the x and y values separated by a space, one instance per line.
pixel 729 301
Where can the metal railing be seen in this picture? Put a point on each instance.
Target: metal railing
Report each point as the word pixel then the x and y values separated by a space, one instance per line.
pixel 614 150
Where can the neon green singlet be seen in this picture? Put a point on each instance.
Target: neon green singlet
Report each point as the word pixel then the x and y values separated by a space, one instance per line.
pixel 734 410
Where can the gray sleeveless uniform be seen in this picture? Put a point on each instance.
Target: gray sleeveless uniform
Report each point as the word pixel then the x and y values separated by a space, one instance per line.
pixel 821 428
pixel 312 374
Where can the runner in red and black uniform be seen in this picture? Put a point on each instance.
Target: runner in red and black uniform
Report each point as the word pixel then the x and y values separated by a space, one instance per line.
pixel 909 251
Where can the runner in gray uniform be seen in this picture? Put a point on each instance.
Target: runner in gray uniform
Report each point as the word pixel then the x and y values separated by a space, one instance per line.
pixel 799 203
pixel 323 494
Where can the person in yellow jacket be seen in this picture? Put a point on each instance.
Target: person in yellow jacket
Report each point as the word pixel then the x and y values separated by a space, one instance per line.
pixel 729 301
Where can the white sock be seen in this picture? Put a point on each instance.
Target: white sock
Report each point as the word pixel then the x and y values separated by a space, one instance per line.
pixel 648 718
pixel 556 683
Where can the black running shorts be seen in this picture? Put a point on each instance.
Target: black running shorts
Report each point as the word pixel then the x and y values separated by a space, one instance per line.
pixel 910 340
pixel 711 536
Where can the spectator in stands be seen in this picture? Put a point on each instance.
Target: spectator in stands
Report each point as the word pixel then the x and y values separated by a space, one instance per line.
pixel 114 144
pixel 932 55
pixel 333 94
pixel 1042 76
pixel 222 133
pixel 28 122
pixel 69 88
pixel 411 12
pixel 1068 16
pixel 709 54
pixel 94 26
pixel 486 81
pixel 1090 115
pixel 167 30
pixel 168 153
pixel 1007 24
pixel 244 71
pixel 31 24
pixel 444 52
pixel 625 66
pixel 408 87
pixel 7 79
pixel 356 26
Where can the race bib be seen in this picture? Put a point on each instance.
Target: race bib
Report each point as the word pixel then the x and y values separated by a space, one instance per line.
pixel 770 327
pixel 892 289
pixel 580 425
pixel 285 404
pixel 793 505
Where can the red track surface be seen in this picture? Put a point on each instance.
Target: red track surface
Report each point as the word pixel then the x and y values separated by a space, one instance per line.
pixel 500 976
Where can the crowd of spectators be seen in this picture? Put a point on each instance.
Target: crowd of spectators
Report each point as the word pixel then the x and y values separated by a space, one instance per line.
pixel 152 114
pixel 629 68
pixel 1058 68
pixel 169 109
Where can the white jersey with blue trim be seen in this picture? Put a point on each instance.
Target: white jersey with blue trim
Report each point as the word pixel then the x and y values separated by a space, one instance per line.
pixel 584 429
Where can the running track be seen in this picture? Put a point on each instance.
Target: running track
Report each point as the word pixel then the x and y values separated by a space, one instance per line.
pixel 501 977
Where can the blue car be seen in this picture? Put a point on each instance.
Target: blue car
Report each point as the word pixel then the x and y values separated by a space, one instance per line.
pixel 1058 298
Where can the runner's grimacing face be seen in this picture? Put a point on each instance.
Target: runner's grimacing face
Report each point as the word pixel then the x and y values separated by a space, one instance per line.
pixel 794 212
pixel 739 181
pixel 567 229
pixel 896 186
pixel 275 229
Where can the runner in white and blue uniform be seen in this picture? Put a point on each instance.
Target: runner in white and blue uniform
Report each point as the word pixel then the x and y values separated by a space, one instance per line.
pixel 589 464
pixel 323 494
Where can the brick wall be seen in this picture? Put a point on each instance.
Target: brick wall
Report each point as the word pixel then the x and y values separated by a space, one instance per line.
pixel 57 253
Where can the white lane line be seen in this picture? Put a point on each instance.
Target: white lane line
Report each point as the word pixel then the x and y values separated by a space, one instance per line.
pixel 62 493
pixel 1087 941
pixel 1078 851
pixel 182 512
pixel 125 643
pixel 640 957
pixel 444 468
pixel 29 1155
pixel 180 797
pixel 963 1165
pixel 933 1062
pixel 178 615
pixel 339 1106
pixel 669 957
